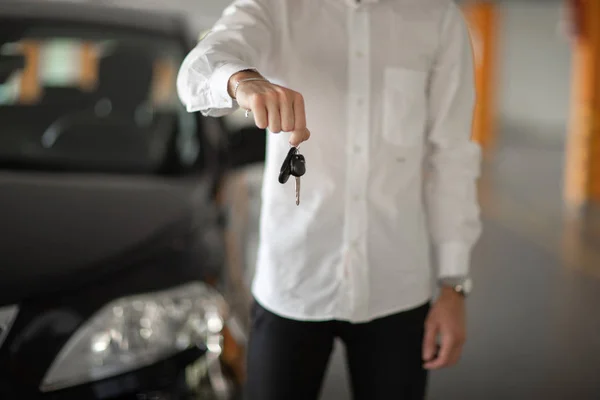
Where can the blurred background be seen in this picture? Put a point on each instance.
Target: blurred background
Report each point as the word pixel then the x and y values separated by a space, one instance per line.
pixel 534 325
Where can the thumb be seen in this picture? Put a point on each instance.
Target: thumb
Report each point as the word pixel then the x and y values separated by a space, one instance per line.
pixel 299 136
pixel 430 341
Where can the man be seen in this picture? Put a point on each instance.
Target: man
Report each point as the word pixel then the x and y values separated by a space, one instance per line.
pixel 386 86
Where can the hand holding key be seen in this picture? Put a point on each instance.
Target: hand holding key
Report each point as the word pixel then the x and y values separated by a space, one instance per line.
pixel 294 165
pixel 274 107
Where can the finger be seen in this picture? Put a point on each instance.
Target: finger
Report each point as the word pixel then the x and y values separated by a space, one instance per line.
pixel 455 356
pixel 298 137
pixel 259 110
pixel 299 113
pixel 457 347
pixel 274 117
pixel 443 358
pixel 430 346
pixel 306 134
pixel 287 112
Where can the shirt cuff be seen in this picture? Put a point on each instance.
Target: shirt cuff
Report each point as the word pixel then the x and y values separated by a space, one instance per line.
pixel 453 259
pixel 219 82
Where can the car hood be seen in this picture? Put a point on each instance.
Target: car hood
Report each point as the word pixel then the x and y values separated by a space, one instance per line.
pixel 55 225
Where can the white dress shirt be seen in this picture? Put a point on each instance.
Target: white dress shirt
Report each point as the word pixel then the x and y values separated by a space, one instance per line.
pixel 391 169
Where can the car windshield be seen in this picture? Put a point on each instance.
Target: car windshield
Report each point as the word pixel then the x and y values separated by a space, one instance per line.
pixel 91 98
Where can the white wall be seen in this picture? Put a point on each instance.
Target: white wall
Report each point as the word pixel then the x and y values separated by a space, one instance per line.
pixel 201 13
pixel 534 71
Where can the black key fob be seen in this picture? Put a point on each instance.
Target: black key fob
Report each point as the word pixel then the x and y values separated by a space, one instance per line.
pixel 286 167
pixel 298 165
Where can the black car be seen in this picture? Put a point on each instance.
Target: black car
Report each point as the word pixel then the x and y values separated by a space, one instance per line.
pixel 112 251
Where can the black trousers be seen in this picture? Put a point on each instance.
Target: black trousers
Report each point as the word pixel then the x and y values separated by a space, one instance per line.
pixel 287 359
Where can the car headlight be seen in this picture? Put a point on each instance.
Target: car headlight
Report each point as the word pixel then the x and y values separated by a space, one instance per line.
pixel 136 331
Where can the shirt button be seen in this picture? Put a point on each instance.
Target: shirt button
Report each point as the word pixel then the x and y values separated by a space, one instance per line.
pixel 360 102
pixel 359 54
pixel 357 149
pixel 357 197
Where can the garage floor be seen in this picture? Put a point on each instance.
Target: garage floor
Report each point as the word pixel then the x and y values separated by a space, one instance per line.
pixel 534 324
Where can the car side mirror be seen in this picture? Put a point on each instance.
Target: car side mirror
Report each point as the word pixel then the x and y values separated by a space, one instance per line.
pixel 10 64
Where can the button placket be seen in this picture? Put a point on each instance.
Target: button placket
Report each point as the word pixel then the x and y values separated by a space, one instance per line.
pixel 357 162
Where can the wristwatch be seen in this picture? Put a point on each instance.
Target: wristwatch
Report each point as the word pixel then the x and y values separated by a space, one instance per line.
pixel 460 284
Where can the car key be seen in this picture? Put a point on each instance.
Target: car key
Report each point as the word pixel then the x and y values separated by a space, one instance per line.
pixel 298 168
pixel 286 167
pixel 294 164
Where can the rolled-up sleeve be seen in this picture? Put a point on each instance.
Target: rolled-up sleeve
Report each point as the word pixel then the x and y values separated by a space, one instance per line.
pixel 243 38
pixel 454 160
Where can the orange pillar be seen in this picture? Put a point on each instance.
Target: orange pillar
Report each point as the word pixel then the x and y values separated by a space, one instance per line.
pixel 162 86
pixel 482 18
pixel 88 75
pixel 582 169
pixel 30 89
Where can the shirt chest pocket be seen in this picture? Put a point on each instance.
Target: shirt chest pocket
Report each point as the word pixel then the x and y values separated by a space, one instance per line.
pixel 404 106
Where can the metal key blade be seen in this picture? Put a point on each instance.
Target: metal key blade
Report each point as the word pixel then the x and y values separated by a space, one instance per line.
pixel 297 190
